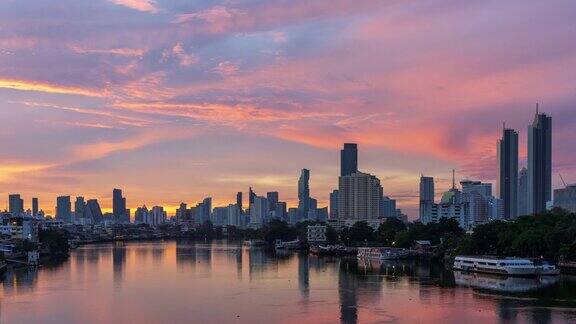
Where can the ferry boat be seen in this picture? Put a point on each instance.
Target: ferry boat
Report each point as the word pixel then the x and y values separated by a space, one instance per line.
pixel 503 266
pixel 382 253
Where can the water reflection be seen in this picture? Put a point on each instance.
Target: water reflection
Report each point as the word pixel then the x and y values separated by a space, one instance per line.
pixel 503 283
pixel 114 283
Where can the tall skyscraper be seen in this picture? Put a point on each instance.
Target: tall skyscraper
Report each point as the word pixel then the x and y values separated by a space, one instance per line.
pixel 272 198
pixel 239 200
pixel 118 206
pixel 426 196
pixel 15 204
pixel 251 196
pixel 523 192
pixel 79 208
pixel 539 162
pixel 35 206
pixel 304 194
pixel 64 209
pixel 334 204
pixel 508 172
pixel 349 159
pixel 93 211
pixel 359 197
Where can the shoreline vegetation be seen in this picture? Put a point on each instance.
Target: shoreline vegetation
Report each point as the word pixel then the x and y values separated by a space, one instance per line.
pixel 550 235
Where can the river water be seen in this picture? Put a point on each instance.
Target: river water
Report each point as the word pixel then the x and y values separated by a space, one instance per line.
pixel 187 282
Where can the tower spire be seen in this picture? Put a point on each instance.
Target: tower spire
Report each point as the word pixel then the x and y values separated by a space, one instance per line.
pixel 453 180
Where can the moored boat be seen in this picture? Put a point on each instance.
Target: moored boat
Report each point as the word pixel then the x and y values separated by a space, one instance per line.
pixel 504 266
pixel 290 245
pixel 382 253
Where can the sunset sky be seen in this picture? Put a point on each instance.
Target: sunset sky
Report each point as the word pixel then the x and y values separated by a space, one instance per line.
pixel 175 100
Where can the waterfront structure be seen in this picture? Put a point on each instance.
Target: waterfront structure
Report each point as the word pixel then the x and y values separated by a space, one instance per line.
pixel 565 198
pixel 508 172
pixel 334 204
pixel 119 207
pixel 316 234
pixel 349 159
pixel 539 163
pixel 35 209
pixel 19 227
pixel 523 192
pixel 426 196
pixel 15 204
pixel 359 197
pixel 64 209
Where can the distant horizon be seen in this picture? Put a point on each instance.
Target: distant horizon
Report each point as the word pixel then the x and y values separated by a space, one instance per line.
pixel 174 101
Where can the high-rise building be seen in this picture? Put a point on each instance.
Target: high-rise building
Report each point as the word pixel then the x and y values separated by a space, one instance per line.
pixel 251 196
pixel 35 207
pixel 239 200
pixel 259 212
pixel 359 197
pixel 349 159
pixel 93 211
pixel 565 198
pixel 426 196
pixel 119 206
pixel 79 208
pixel 15 204
pixel 508 172
pixel 334 204
pixel 539 163
pixel 388 208
pixel 234 217
pixel 303 194
pixel 523 192
pixel 64 209
pixel 272 200
pixel 181 212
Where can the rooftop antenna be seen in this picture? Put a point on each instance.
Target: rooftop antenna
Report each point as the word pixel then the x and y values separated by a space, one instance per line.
pixel 453 180
pixel 564 182
pixel 536 108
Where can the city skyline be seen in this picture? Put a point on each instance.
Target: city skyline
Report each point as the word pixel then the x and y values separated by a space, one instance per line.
pixel 219 100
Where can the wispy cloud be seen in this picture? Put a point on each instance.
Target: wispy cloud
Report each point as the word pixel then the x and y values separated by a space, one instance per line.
pixel 38 86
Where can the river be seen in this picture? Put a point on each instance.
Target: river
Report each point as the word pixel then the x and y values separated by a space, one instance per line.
pixel 187 282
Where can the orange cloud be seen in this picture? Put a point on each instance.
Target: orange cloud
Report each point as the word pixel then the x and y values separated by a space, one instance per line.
pixel 140 5
pixel 26 85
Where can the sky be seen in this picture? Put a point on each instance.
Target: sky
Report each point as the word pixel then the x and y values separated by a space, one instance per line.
pixel 176 100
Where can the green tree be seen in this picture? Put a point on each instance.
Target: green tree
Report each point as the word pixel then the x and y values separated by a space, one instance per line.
pixel 388 229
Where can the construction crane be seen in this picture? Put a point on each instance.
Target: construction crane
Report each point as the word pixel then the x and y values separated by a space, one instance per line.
pixel 564 182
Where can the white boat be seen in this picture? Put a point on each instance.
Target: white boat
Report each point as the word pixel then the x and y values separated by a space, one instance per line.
pixel 502 266
pixel 546 268
pixel 290 245
pixel 382 253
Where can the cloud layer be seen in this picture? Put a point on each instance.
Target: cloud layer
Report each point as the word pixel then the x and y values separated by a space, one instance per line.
pixel 175 100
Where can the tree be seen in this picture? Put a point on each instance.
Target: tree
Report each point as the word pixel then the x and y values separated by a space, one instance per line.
pixel 387 231
pixel 358 233
pixel 56 241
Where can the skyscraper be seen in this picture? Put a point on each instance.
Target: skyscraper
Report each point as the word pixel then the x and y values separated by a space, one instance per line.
pixel 34 206
pixel 349 159
pixel 426 196
pixel 508 172
pixel 15 204
pixel 251 196
pixel 539 162
pixel 272 198
pixel 79 208
pixel 64 209
pixel 334 204
pixel 118 206
pixel 304 194
pixel 523 192
pixel 239 200
pixel 359 197
pixel 93 211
